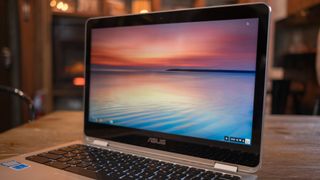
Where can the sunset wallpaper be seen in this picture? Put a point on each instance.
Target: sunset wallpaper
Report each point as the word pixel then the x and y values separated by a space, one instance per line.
pixel 192 79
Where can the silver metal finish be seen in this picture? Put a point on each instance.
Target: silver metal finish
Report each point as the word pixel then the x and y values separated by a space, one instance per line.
pixel 170 157
pixel 40 171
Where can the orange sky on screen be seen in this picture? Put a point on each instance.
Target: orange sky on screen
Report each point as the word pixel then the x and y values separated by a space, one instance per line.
pixel 222 44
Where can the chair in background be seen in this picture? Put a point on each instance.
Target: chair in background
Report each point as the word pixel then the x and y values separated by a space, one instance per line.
pixel 22 96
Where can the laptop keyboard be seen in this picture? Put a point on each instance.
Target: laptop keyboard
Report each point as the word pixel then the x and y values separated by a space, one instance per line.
pixel 100 163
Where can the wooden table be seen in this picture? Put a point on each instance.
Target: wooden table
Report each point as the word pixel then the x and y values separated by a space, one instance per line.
pixel 291 147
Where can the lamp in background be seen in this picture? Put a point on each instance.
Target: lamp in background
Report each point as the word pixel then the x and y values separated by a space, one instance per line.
pixel 78 81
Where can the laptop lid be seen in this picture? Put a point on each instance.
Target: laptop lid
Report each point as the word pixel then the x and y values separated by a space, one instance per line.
pixel 186 81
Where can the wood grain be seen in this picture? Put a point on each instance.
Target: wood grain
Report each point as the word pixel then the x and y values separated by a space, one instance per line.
pixel 56 128
pixel 291 147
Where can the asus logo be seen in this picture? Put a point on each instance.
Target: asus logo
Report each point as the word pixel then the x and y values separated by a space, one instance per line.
pixel 157 141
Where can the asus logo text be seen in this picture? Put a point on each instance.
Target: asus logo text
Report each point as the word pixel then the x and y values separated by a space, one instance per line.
pixel 157 141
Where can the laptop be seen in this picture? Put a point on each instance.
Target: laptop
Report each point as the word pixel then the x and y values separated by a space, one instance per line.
pixel 168 95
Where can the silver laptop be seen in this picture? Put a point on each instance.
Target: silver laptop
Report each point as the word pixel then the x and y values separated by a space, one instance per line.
pixel 168 95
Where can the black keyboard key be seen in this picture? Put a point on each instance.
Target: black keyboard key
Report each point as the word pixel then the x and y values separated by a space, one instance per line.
pixel 79 157
pixel 119 174
pixel 130 176
pixel 94 168
pixel 84 154
pixel 38 159
pixel 50 156
pixel 57 164
pixel 147 174
pixel 66 149
pixel 208 175
pixel 160 176
pixel 87 159
pixel 177 175
pixel 188 177
pixel 197 178
pixel 109 176
pixel 83 164
pixel 81 171
pixel 57 152
pixel 221 178
pixel 76 151
pixel 235 178
pixel 226 176
pixel 162 172
pixel 64 159
pixel 74 162
pixel 134 171
pixel 69 154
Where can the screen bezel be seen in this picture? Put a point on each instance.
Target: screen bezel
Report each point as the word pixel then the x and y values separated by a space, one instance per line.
pixel 141 137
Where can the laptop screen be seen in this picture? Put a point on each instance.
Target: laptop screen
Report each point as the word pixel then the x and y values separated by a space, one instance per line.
pixel 193 79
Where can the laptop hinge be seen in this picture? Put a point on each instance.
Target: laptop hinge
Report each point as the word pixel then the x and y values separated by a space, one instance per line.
pixel 100 143
pixel 225 167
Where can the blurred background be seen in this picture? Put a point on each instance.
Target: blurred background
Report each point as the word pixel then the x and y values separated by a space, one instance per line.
pixel 42 50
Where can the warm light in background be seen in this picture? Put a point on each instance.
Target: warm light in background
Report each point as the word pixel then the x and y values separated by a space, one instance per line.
pixel 144 11
pixel 53 3
pixel 78 81
pixel 141 6
pixel 62 6
pixel 65 7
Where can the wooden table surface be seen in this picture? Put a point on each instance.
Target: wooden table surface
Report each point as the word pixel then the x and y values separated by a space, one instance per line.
pixel 291 147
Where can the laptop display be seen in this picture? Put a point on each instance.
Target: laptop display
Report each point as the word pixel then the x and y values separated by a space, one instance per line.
pixel 190 82
pixel 193 79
